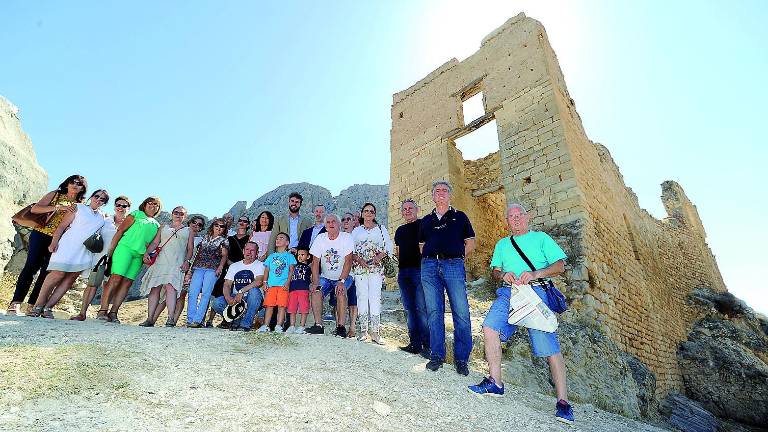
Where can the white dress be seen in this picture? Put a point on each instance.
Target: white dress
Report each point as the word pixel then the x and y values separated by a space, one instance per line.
pixel 167 266
pixel 71 256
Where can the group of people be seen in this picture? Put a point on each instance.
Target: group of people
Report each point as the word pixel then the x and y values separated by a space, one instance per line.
pixel 287 266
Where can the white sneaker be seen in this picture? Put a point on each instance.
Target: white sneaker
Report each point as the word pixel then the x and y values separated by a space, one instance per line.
pixel 278 329
pixel 291 330
pixel 264 329
pixel 299 330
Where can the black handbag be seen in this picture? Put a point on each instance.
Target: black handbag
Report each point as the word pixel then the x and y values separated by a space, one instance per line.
pixel 94 243
pixel 555 299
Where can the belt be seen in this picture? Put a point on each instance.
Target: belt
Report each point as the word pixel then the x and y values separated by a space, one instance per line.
pixel 444 256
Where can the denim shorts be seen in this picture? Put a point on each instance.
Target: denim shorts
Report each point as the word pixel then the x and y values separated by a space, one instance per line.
pixel 351 296
pixel 328 286
pixel 543 344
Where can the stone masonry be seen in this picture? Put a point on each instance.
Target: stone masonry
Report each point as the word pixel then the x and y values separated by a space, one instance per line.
pixel 627 272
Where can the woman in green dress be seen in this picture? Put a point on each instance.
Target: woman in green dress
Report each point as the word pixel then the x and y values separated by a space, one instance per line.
pixel 127 253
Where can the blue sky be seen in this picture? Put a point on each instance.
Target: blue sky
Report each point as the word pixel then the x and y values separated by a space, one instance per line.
pixel 205 103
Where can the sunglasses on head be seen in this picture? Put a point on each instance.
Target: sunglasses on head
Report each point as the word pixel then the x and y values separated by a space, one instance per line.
pixel 77 182
pixel 122 205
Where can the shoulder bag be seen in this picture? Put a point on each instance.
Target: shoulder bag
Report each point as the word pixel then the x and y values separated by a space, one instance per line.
pixel 153 255
pixel 26 218
pixel 389 262
pixel 555 299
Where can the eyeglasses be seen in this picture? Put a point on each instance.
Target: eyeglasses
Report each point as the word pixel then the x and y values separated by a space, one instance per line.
pixel 76 182
pixel 244 221
pixel 219 226
pixel 122 205
pixel 346 219
pixel 178 213
pixel 198 223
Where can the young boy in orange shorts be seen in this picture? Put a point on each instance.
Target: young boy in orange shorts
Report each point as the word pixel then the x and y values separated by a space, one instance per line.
pixel 298 294
pixel 278 268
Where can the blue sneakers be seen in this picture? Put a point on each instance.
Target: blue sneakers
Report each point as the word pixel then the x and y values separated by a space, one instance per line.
pixel 487 387
pixel 564 412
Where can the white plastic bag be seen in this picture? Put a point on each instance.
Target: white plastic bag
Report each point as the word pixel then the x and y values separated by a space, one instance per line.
pixel 526 309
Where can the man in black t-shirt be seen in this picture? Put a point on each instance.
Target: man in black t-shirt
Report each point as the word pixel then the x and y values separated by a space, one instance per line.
pixel 409 280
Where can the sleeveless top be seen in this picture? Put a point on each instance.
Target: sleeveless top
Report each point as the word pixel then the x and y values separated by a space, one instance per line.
pixel 140 234
pixel 50 228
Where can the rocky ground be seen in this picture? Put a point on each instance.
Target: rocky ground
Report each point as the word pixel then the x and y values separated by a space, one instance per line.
pixel 65 375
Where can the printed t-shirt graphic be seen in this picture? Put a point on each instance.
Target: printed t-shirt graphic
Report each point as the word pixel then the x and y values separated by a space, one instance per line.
pixel 332 253
pixel 279 263
pixel 241 275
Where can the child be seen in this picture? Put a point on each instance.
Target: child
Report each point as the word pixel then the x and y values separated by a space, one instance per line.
pixel 278 268
pixel 298 293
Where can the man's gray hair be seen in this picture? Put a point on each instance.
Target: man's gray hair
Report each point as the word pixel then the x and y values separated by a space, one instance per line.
pixel 437 183
pixel 408 200
pixel 517 205
pixel 332 216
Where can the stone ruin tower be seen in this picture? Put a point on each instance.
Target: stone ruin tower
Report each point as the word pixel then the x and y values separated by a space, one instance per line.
pixel 627 271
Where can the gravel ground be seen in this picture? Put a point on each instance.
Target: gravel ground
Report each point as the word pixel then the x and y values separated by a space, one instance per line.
pixel 58 375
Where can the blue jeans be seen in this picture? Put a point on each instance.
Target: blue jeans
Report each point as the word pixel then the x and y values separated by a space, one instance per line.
pixel 253 298
pixel 439 277
pixel 412 295
pixel 201 285
pixel 543 344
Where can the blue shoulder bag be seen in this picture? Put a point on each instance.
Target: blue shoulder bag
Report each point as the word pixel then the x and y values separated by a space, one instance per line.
pixel 555 299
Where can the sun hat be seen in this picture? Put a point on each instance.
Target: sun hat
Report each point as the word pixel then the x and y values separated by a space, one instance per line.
pixel 233 312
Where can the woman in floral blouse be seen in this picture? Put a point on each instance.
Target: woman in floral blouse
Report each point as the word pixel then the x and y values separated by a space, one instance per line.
pixel 372 244
pixel 208 264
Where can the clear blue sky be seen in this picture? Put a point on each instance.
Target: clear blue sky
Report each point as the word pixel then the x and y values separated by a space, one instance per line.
pixel 204 103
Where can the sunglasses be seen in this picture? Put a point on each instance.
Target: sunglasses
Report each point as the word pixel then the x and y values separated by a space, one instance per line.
pixel 178 213
pixel 219 226
pixel 122 205
pixel 101 198
pixel 346 219
pixel 244 221
pixel 198 223
pixel 369 211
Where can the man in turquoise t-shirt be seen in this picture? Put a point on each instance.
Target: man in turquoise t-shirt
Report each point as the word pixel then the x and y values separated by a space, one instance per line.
pixel 510 268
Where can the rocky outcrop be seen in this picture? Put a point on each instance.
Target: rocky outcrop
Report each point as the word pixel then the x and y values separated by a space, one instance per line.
pixel 349 200
pixel 687 415
pixel 22 179
pixel 725 359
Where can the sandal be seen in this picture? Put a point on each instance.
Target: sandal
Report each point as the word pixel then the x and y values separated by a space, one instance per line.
pixel 147 323
pixel 78 317
pixel 170 323
pixel 102 315
pixel 14 308
pixel 112 317
pixel 35 312
pixel 48 313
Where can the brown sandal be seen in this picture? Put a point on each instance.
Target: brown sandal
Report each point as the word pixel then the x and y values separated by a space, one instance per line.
pixel 78 317
pixel 112 317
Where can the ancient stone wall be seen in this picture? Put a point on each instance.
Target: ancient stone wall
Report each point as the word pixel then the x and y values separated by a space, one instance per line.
pixel 22 180
pixel 629 272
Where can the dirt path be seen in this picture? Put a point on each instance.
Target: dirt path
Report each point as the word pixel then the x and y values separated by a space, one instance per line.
pixel 58 375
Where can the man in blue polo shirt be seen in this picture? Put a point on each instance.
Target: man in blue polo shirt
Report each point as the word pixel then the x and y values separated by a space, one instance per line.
pixel 445 239
pixel 509 267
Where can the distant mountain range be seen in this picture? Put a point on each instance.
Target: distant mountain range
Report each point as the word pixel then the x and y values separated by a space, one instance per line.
pixel 349 200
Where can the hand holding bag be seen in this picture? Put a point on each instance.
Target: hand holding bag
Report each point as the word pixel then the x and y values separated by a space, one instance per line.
pixel 388 263
pixel 153 255
pixel 26 218
pixel 555 299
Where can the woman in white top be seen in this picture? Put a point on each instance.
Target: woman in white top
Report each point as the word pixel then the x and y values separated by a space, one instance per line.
pixel 372 244
pixel 261 233
pixel 69 255
pixel 167 273
pixel 96 276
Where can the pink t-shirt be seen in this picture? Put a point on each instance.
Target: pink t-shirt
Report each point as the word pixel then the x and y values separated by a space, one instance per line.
pixel 261 238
